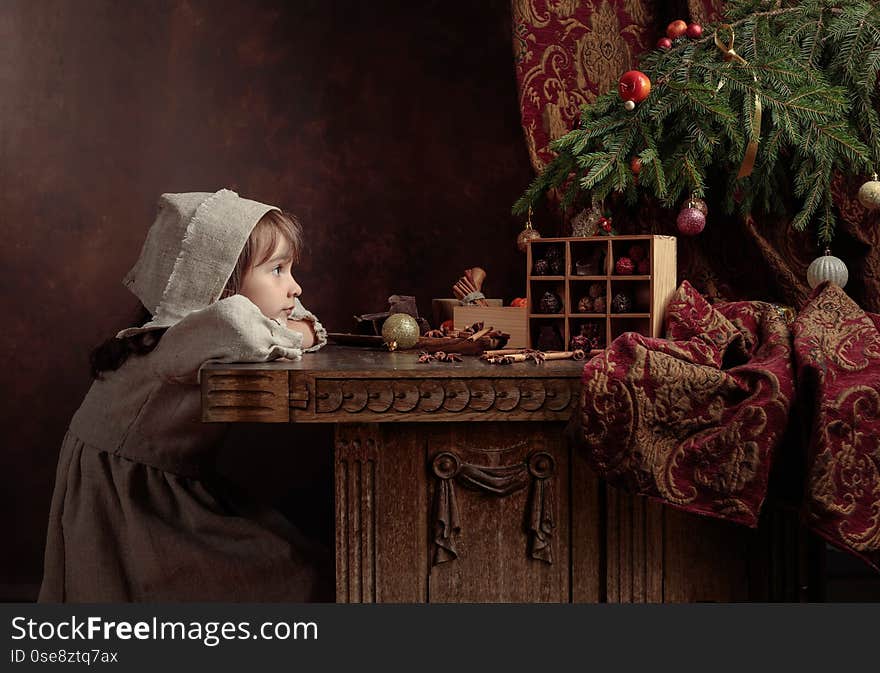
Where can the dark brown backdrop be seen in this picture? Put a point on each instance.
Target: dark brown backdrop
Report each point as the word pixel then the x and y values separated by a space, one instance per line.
pixel 392 129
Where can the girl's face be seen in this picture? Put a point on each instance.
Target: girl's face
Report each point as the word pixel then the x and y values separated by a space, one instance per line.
pixel 271 285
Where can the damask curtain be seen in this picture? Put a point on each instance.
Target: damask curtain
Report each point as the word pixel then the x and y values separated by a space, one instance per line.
pixel 567 52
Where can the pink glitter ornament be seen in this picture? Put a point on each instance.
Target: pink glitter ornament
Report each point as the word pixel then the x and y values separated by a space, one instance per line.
pixel 690 221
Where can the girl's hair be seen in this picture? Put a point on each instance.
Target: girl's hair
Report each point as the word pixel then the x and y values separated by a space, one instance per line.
pixel 261 244
pixel 112 353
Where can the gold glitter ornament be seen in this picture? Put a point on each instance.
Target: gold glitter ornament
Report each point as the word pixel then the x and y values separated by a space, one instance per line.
pixel 586 222
pixel 400 330
pixel 527 234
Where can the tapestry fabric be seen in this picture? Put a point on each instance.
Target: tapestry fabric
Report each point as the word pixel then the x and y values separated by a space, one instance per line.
pixel 567 52
pixel 692 421
pixel 837 348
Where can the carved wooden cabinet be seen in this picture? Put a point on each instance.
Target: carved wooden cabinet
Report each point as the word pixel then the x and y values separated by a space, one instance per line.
pixel 454 483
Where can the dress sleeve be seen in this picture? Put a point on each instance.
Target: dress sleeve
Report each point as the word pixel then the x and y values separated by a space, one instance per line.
pixel 300 312
pixel 230 330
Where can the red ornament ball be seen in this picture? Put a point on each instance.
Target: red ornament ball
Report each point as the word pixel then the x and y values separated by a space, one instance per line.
pixel 625 266
pixel 634 86
pixel 635 165
pixel 664 43
pixel 690 221
pixel 636 253
pixel 694 30
pixel 643 267
pixel 676 29
pixel 605 224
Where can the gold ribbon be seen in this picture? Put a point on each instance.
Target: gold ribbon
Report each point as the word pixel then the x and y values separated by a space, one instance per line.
pixel 748 162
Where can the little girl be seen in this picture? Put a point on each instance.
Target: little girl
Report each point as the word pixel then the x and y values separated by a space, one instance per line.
pixel 137 513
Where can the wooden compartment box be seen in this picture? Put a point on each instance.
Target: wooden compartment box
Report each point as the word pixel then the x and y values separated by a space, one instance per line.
pixel 581 274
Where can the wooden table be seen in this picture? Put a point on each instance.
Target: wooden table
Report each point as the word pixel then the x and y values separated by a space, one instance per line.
pixel 454 483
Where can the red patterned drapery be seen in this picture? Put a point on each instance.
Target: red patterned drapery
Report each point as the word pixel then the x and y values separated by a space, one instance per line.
pixel 568 52
pixel 694 420
pixel 837 349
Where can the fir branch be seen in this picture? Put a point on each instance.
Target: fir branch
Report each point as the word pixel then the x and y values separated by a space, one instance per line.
pixel 827 223
pixel 847 144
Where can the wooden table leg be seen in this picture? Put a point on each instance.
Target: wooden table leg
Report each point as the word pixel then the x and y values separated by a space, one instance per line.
pixel 381 524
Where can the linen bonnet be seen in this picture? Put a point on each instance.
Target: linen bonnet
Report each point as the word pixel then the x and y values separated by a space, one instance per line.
pixel 190 253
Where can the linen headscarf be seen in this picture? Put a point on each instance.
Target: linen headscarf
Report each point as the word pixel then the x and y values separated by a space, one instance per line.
pixel 190 253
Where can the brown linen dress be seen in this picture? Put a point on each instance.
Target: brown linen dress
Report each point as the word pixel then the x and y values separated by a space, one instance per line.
pixel 138 514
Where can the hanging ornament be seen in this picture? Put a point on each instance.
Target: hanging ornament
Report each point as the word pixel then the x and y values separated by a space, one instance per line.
pixel 586 222
pixel 676 29
pixel 869 194
pixel 700 205
pixel 827 267
pixel 527 234
pixel 635 165
pixel 633 87
pixel 400 330
pixel 664 43
pixel 690 220
pixel 694 30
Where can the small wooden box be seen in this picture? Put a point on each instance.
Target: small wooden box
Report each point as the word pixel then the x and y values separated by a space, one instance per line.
pixel 590 261
pixel 443 309
pixel 508 319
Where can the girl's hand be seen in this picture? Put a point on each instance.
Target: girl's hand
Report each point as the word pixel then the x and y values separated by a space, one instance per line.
pixel 305 328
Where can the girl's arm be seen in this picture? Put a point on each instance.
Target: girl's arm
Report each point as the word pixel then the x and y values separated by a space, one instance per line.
pixel 306 323
pixel 230 330
pixel 305 328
